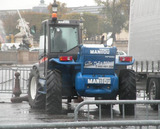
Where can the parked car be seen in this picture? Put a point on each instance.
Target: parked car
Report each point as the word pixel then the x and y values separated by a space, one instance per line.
pixel 120 53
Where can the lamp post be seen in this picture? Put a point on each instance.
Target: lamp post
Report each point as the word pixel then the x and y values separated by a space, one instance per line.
pixel 81 20
pixel 54 7
pixel 81 25
pixel 54 11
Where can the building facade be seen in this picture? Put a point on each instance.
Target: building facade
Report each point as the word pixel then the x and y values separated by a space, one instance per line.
pixel 86 9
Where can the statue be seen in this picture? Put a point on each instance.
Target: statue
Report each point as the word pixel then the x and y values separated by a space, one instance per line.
pixel 23 26
pixel 24 34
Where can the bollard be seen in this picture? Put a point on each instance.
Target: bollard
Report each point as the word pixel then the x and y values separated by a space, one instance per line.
pixel 19 99
pixel 17 91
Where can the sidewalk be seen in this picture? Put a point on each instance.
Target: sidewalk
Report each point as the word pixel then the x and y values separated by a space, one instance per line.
pixel 5 97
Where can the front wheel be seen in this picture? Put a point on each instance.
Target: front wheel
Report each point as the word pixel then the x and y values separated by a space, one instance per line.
pixel 154 92
pixel 127 90
pixel 54 92
pixel 36 99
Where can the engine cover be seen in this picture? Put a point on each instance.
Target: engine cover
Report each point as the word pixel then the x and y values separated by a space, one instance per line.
pixel 98 59
pixel 97 85
pixel 97 75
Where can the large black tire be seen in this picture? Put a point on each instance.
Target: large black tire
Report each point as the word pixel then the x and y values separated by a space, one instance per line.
pixel 54 92
pixel 36 99
pixel 127 90
pixel 154 92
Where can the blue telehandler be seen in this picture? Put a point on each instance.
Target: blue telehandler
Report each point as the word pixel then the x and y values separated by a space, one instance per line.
pixel 68 69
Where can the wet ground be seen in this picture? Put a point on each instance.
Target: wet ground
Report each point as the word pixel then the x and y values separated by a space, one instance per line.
pixel 19 113
pixel 22 113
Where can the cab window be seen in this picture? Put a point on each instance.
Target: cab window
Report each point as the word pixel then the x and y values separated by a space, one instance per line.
pixel 63 39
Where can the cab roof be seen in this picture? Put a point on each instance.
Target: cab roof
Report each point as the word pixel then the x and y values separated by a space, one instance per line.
pixel 64 22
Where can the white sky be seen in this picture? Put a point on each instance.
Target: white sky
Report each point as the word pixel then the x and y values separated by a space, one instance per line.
pixel 28 4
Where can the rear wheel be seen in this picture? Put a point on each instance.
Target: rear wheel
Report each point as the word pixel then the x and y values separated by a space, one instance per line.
pixel 154 92
pixel 127 90
pixel 36 99
pixel 54 92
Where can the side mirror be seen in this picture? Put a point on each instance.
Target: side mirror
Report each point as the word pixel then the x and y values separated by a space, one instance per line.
pixel 33 29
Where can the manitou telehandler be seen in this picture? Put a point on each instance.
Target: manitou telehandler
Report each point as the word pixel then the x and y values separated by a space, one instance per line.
pixel 68 69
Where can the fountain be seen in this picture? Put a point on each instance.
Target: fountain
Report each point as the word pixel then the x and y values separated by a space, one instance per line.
pixel 24 36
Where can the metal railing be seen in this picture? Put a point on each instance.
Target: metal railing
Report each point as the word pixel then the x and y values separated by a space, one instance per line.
pixel 146 66
pixel 92 125
pixel 7 75
pixel 112 123
pixel 114 102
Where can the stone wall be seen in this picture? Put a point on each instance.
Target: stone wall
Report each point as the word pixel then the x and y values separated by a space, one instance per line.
pixel 18 57
pixel 26 57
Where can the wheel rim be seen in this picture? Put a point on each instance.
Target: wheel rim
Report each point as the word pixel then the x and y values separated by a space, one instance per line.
pixel 153 91
pixel 33 88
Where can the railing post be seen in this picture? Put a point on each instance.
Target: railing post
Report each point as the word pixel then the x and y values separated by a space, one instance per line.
pixel 146 66
pixel 136 66
pixel 152 66
pixel 158 66
pixel 141 66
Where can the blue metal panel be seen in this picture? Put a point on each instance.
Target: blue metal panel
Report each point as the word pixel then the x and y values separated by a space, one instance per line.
pixel 98 64
pixel 98 85
pixel 97 60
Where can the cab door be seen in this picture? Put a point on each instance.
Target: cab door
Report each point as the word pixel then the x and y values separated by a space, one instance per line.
pixel 43 51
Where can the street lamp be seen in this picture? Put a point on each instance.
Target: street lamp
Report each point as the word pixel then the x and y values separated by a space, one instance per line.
pixel 55 7
pixel 81 21
pixel 82 25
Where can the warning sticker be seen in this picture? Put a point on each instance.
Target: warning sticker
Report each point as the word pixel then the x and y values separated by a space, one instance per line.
pixel 99 64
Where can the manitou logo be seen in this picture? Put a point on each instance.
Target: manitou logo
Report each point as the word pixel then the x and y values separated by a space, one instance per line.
pixel 100 51
pixel 104 80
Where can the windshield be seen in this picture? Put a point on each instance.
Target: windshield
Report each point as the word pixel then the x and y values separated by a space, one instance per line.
pixel 63 38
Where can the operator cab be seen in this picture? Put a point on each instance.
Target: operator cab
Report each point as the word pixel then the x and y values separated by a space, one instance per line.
pixel 60 38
